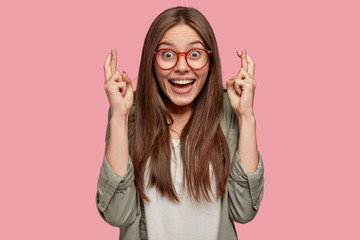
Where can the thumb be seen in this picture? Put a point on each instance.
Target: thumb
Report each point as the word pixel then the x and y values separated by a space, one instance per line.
pixel 127 79
pixel 230 83
pixel 234 85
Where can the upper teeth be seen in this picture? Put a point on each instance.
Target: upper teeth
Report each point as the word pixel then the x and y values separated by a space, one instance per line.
pixel 182 81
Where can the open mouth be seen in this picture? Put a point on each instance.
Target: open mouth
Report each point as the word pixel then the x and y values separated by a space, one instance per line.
pixel 182 83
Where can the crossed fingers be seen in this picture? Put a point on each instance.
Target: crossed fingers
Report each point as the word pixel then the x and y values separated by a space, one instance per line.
pixel 247 65
pixel 245 77
pixel 110 68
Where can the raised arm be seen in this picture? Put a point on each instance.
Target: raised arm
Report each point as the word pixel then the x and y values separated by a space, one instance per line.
pixel 246 180
pixel 241 91
pixel 116 197
pixel 120 94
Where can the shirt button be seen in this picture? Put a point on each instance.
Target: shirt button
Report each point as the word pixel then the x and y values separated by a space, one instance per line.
pixel 102 204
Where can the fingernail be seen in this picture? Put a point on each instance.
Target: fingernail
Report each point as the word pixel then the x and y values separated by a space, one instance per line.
pixel 238 53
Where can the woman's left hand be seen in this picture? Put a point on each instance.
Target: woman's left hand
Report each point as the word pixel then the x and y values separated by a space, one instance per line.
pixel 241 89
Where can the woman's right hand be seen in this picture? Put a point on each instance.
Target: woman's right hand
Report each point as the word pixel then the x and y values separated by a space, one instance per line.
pixel 118 87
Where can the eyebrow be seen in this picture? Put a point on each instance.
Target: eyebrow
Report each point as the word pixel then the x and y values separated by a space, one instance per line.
pixel 190 43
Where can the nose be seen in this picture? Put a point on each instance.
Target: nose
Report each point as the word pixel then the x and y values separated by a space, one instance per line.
pixel 181 65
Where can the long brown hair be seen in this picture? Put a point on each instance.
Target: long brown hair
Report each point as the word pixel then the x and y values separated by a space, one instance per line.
pixel 202 140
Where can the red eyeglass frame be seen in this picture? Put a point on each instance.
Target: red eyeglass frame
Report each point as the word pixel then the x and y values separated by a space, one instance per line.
pixel 185 54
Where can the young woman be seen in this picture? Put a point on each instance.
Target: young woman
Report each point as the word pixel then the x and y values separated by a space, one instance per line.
pixel 181 158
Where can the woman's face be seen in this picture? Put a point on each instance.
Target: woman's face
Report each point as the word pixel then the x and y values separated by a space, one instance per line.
pixel 181 84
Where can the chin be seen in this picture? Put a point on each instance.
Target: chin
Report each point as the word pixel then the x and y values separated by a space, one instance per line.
pixel 182 101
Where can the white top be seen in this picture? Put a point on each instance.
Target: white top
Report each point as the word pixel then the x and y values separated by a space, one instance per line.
pixel 186 220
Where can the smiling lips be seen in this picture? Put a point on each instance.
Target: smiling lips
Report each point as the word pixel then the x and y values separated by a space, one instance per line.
pixel 181 85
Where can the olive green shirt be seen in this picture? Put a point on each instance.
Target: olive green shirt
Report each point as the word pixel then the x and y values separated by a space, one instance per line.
pixel 119 204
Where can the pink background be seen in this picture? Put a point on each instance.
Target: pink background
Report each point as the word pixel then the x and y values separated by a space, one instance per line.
pixel 54 110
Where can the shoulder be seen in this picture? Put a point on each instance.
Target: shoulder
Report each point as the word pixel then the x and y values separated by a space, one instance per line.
pixel 226 104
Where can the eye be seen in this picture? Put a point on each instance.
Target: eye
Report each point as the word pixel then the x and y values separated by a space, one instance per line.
pixel 195 54
pixel 166 54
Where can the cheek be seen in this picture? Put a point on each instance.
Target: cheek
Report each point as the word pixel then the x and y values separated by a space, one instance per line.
pixel 204 75
pixel 160 78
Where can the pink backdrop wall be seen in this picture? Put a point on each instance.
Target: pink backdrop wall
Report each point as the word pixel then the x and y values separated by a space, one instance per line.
pixel 54 110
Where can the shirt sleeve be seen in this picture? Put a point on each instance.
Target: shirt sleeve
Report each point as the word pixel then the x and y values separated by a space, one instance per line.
pixel 116 197
pixel 245 190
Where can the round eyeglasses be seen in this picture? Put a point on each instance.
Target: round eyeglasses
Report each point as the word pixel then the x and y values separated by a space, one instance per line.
pixel 196 58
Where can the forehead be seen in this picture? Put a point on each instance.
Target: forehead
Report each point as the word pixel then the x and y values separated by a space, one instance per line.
pixel 181 34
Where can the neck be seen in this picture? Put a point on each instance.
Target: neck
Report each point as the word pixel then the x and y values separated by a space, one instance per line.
pixel 180 116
